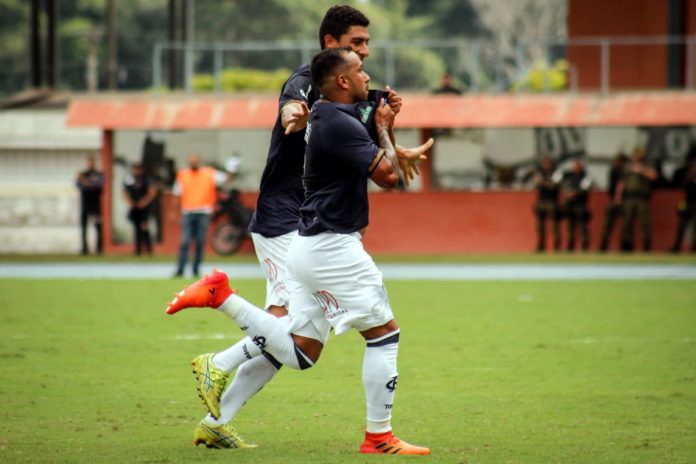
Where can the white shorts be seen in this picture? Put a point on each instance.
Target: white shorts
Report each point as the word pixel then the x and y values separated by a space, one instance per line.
pixel 272 255
pixel 334 283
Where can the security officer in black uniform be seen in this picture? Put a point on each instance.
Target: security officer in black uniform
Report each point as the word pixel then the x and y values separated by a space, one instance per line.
pixel 90 182
pixel 547 183
pixel 575 188
pixel 685 178
pixel 138 193
pixel 613 210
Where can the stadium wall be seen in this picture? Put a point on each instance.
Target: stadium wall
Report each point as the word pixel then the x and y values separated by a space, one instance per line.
pixel 445 223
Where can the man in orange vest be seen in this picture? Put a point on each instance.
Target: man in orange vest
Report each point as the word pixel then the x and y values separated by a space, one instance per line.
pixel 195 186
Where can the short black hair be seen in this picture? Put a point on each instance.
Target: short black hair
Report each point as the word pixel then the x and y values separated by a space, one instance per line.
pixel 338 19
pixel 326 62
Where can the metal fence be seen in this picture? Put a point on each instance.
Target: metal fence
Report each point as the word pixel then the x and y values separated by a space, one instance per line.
pixel 478 66
pixel 590 63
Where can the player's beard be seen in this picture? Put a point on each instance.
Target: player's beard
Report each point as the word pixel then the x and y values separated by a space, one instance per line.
pixel 361 93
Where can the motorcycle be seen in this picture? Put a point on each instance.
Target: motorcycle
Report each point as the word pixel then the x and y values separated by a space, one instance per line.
pixel 231 223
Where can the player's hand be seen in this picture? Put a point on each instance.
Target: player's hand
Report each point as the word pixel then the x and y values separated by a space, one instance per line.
pixel 296 120
pixel 394 100
pixel 410 159
pixel 384 116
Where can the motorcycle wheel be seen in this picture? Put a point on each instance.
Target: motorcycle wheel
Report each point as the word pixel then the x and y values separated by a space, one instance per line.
pixel 227 238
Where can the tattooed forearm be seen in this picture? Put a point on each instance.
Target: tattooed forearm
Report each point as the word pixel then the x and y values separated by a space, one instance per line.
pixel 389 151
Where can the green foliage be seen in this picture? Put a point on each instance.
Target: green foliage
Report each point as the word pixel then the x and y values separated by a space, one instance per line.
pixel 422 68
pixel 242 79
pixel 518 372
pixel 545 78
pixel 141 24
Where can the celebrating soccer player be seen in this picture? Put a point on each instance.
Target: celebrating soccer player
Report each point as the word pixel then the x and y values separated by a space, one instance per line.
pixel 333 282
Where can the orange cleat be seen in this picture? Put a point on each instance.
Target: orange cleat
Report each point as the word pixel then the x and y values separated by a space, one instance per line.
pixel 387 443
pixel 209 292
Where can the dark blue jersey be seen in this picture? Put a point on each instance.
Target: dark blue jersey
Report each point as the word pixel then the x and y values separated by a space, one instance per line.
pixel 340 157
pixel 281 192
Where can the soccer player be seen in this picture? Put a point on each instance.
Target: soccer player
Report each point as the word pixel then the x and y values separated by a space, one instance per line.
pixel 333 282
pixel 273 228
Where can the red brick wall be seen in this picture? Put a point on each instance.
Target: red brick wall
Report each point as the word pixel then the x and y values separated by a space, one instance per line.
pixel 632 67
pixel 460 223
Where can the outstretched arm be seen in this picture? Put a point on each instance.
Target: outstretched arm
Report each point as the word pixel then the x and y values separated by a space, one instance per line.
pixel 410 158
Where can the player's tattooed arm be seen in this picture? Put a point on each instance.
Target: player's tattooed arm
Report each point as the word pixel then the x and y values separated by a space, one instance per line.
pixel 294 116
pixel 386 172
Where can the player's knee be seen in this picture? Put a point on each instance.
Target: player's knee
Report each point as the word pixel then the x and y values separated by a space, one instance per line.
pixel 277 311
pixel 307 349
pixel 380 331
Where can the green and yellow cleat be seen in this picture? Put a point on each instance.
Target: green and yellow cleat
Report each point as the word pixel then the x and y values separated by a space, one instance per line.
pixel 211 382
pixel 220 436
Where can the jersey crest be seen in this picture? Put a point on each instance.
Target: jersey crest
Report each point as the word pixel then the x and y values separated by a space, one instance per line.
pixel 365 113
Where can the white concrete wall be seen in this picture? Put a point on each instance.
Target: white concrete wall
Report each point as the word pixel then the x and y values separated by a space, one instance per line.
pixel 39 161
pixel 39 203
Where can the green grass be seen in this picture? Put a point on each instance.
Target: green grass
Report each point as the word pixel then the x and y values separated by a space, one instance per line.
pixel 490 372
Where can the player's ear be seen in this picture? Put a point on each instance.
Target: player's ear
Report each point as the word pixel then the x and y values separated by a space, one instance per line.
pixel 342 82
pixel 330 41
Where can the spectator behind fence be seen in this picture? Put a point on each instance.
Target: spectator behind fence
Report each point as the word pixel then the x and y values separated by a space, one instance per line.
pixel 91 183
pixel 446 86
pixel 613 210
pixel 635 188
pixel 685 178
pixel 195 186
pixel 138 193
pixel 575 188
pixel 547 183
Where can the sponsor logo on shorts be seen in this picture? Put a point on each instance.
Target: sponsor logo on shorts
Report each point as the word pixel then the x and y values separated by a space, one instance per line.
pixel 329 304
pixel 271 270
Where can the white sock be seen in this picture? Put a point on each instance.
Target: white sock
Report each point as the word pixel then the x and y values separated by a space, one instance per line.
pixel 268 332
pixel 234 356
pixel 379 379
pixel 249 379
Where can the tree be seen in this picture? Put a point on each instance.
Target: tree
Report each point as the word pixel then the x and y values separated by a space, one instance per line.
pixel 519 33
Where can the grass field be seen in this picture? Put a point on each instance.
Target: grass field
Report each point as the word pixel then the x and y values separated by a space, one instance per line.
pixel 490 372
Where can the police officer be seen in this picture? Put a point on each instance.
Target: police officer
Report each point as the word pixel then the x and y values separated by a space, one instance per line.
pixel 636 187
pixel 575 188
pixel 685 178
pixel 547 183
pixel 90 182
pixel 138 193
pixel 613 210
